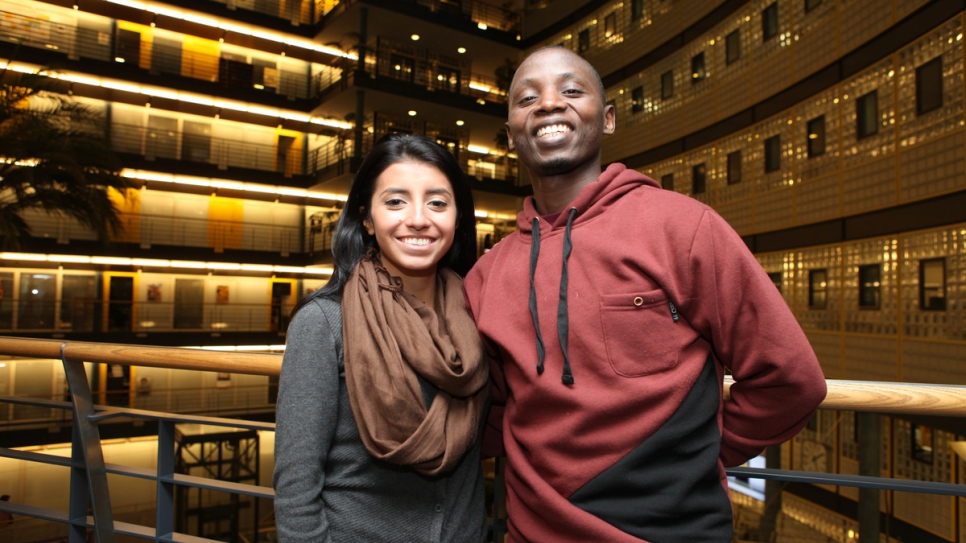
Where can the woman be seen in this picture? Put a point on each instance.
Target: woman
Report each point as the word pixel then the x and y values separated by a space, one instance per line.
pixel 383 381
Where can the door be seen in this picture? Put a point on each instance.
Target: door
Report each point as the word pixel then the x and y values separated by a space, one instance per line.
pixel 189 295
pixel 119 299
pixel 162 140
pixel 282 302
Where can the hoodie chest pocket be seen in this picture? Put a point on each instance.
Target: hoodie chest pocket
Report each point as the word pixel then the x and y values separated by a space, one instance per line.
pixel 641 332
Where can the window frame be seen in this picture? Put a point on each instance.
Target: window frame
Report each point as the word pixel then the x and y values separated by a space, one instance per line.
pixel 922 109
pixel 769 31
pixel 864 129
pixel 812 291
pixel 734 159
pixel 667 85
pixel 699 178
pixel 736 37
pixel 699 70
pixel 637 99
pixel 875 291
pixel 813 143
pixel 775 164
pixel 583 41
pixel 610 25
pixel 923 305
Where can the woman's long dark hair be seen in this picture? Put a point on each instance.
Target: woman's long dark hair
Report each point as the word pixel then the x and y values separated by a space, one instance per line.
pixel 350 241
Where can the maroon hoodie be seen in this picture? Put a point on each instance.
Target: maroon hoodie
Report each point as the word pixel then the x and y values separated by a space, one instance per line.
pixel 609 332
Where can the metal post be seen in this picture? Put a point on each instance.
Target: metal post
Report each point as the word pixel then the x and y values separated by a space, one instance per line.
pixel 870 445
pixel 164 520
pixel 90 445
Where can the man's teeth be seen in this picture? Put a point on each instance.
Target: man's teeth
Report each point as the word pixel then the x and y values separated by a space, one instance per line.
pixel 553 130
pixel 415 241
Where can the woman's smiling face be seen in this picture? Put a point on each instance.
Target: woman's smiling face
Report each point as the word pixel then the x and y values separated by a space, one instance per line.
pixel 413 217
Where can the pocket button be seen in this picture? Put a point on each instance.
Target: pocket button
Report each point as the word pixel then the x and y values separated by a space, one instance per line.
pixel 638 301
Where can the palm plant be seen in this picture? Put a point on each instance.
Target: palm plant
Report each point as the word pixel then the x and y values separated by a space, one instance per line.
pixel 54 157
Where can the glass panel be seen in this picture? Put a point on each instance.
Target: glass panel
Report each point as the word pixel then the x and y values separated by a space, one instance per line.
pixel 929 86
pixel 732 47
pixel 869 286
pixel 922 443
pixel 773 156
pixel 932 285
pixel 667 181
pixel 698 178
pixel 188 305
pixel 769 22
pixel 583 40
pixel 78 298
pixel 817 285
pixel 610 25
pixel 816 137
pixel 667 85
pixel 776 279
pixel 7 295
pixel 734 167
pixel 867 113
pixel 637 100
pixel 38 292
pixel 697 68
pixel 121 304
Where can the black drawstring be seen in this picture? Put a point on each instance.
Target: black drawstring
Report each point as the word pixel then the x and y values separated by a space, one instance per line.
pixel 563 319
pixel 534 253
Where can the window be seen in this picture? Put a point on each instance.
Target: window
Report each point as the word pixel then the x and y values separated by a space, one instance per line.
pixel 734 167
pixel 699 176
pixel 769 22
pixel 929 86
pixel 667 181
pixel 773 153
pixel 812 4
pixel 922 443
pixel 667 84
pixel 816 137
pixel 610 25
pixel 637 100
pixel 870 292
pixel 732 47
pixel 932 284
pixel 867 114
pixel 583 40
pixel 698 72
pixel 776 279
pixel 817 288
pixel 637 9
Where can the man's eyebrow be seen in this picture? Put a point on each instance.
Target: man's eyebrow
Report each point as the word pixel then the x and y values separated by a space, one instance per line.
pixel 565 76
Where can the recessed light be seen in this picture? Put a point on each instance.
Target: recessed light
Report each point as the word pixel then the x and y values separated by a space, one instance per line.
pixel 412 112
pixel 459 123
pixel 415 37
pixel 461 50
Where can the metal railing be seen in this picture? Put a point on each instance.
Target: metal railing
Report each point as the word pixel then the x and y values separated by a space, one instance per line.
pixel 90 505
pixel 481 13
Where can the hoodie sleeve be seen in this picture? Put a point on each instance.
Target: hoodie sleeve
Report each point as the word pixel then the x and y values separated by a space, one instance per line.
pixel 473 287
pixel 778 380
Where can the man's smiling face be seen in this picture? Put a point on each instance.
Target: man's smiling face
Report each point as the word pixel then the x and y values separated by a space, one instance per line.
pixel 557 115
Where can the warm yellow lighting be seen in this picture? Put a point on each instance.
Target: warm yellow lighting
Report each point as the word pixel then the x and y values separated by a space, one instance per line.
pixel 415 37
pixel 412 112
pixel 151 262
pixel 69 259
pixel 461 50
pixel 23 256
pixel 223 266
pixel 289 269
pixel 188 264
pixel 481 26
pixel 111 260
pixel 477 149
pixel 459 122
pixel 480 214
pixel 256 267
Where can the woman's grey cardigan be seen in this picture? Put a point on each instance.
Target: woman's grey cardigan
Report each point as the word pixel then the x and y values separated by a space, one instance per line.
pixel 328 488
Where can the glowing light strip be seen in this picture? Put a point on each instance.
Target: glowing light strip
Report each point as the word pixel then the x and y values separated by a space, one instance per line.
pixel 232 26
pixel 143 175
pixel 173 95
pixel 160 263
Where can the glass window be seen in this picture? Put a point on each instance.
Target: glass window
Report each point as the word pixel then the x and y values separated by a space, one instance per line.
pixel 816 137
pixel 38 294
pixel 773 153
pixel 776 279
pixel 667 181
pixel 610 25
pixel 667 84
pixel 583 40
pixel 870 291
pixel 699 174
pixel 732 47
pixel 812 4
pixel 637 100
pixel 817 288
pixel 769 22
pixel 734 167
pixel 637 9
pixel 698 72
pixel 78 299
pixel 932 284
pixel 929 86
pixel 6 301
pixel 922 442
pixel 867 114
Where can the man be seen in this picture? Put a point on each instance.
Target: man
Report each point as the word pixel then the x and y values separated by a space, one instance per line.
pixel 611 316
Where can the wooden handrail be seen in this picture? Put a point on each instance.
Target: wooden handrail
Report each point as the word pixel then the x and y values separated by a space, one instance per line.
pixel 145 355
pixel 868 396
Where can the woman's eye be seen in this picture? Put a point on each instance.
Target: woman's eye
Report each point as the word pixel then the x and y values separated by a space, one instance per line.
pixel 394 202
pixel 439 204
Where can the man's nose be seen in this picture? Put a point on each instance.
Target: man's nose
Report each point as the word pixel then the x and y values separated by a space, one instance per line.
pixel 550 101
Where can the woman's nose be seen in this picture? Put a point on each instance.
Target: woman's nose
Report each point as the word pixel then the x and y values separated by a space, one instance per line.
pixel 417 218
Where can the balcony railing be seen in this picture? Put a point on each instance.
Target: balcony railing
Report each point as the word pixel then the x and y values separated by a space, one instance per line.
pixel 481 13
pixel 90 506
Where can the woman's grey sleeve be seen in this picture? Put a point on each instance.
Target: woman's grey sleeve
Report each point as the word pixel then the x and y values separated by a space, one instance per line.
pixel 306 415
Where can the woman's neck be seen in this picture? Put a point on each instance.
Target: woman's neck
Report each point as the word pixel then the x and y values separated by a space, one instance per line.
pixel 422 288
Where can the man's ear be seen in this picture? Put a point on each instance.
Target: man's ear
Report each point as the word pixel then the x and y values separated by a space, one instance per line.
pixel 509 137
pixel 610 119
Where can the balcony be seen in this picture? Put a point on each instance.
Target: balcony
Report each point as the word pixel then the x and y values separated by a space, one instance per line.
pixel 235 506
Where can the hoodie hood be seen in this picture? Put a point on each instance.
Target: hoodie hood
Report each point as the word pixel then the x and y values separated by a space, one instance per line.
pixel 593 200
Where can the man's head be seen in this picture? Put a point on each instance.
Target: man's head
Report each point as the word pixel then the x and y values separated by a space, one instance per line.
pixel 558 113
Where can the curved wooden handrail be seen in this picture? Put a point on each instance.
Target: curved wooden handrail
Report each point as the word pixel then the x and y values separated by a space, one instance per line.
pixel 145 355
pixel 868 396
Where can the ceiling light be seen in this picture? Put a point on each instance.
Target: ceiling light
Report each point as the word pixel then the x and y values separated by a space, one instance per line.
pixel 412 112
pixel 459 123
pixel 415 37
pixel 461 50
